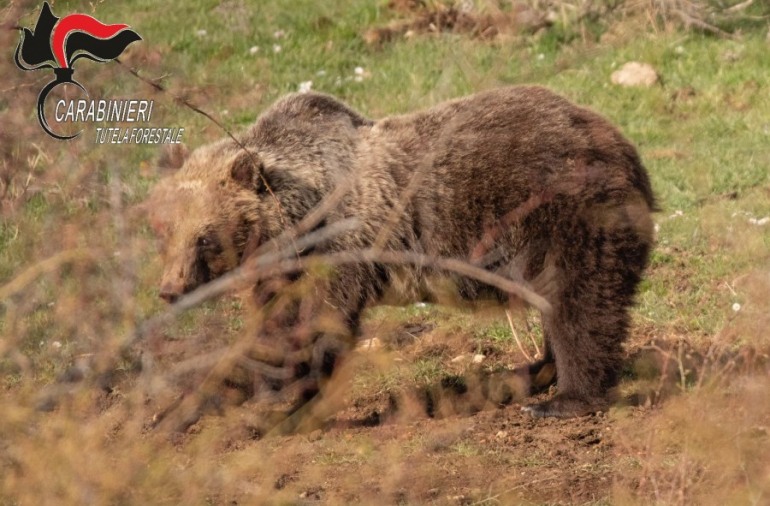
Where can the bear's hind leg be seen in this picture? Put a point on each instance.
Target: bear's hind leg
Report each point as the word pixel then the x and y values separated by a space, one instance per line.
pixel 590 318
pixel 588 359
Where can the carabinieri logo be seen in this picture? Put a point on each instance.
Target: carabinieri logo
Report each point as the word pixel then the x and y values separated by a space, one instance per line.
pixel 58 43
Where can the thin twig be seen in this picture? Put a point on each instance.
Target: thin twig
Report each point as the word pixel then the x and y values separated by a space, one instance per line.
pixel 531 335
pixel 407 257
pixel 46 266
pixel 516 337
pixel 311 219
pixel 496 497
pixel 272 265
pixel 689 20
pixel 243 276
pixel 739 7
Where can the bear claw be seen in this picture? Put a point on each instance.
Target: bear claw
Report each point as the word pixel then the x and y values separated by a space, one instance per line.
pixel 561 408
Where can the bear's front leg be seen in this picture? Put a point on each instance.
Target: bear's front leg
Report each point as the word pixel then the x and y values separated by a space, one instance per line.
pixel 313 321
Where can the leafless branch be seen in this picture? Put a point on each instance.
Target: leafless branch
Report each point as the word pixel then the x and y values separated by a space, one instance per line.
pixel 739 7
pixel 45 267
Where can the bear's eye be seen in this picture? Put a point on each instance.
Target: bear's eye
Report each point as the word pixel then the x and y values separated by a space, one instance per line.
pixel 204 242
pixel 261 179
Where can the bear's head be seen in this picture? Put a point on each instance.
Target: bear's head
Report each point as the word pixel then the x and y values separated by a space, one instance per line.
pixel 228 193
pixel 204 213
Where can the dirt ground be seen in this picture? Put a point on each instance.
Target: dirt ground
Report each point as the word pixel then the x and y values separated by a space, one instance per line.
pixel 383 442
pixel 502 455
pixel 386 446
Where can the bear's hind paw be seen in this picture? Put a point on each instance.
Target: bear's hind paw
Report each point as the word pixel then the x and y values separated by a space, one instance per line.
pixel 560 407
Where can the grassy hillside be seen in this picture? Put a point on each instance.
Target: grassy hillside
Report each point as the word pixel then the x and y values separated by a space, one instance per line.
pixel 79 268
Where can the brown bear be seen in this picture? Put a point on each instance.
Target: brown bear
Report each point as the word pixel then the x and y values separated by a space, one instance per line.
pixel 517 180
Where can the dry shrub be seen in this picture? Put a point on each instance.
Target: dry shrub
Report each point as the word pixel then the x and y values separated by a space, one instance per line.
pixel 709 447
pixel 488 19
pixel 485 21
pixel 716 18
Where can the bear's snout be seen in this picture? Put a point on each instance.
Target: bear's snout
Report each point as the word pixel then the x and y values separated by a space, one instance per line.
pixel 179 277
pixel 171 289
pixel 169 294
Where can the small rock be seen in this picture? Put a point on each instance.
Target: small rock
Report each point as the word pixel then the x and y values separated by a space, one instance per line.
pixel 359 74
pixel 635 74
pixel 501 434
pixel 478 358
pixel 315 435
pixel 253 50
pixel 305 86
pixel 736 307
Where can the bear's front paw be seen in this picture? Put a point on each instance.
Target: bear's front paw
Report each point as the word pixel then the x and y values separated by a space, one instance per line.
pixel 562 407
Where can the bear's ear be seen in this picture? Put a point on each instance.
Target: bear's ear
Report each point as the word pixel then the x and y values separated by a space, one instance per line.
pixel 172 157
pixel 248 171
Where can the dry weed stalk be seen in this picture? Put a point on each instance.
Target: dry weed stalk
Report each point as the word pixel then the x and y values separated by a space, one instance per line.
pixel 44 267
pixel 524 352
pixel 693 14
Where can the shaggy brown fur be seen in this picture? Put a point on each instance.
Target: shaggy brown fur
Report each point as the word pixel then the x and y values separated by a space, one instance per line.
pixel 516 179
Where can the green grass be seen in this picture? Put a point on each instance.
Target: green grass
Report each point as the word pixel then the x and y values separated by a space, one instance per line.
pixel 497 333
pixel 703 132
